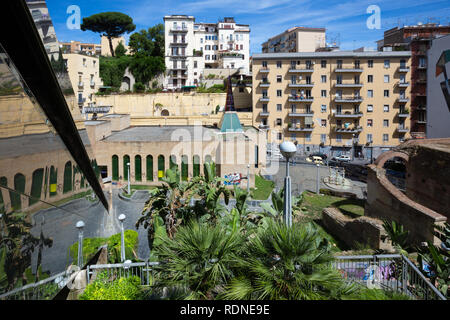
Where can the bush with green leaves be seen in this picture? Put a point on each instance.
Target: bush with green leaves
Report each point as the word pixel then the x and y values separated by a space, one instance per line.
pixel 105 288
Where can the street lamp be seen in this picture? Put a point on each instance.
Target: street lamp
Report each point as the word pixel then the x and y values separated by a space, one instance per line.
pixel 287 149
pixel 318 179
pixel 80 226
pixel 122 238
pixel 128 164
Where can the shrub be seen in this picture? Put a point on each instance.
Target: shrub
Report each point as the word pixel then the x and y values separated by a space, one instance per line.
pixel 119 289
pixel 138 87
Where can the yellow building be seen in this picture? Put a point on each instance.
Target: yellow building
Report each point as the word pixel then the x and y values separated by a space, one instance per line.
pixel 333 102
pixel 106 50
pixel 84 74
pixel 296 39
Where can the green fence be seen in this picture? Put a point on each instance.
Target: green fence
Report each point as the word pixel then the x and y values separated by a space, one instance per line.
pixel 149 168
pixel 36 186
pixel 138 168
pixel 115 168
pixel 67 185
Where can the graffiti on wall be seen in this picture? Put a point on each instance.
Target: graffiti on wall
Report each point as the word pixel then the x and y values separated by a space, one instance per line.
pixel 232 179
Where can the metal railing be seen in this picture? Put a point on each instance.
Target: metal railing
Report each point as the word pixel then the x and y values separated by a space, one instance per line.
pixel 42 290
pixel 143 270
pixel 388 272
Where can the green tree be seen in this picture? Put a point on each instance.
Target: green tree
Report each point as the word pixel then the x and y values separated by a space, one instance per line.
pixel 109 24
pixel 199 259
pixel 120 50
pixel 286 263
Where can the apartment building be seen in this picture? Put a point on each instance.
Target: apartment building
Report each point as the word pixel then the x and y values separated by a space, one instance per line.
pixel 84 74
pixel 296 39
pixel 340 102
pixel 192 48
pixel 417 39
pixel 91 49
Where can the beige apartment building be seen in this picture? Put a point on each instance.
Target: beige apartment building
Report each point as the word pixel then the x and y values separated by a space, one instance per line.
pixel 296 39
pixel 341 102
pixel 91 49
pixel 84 74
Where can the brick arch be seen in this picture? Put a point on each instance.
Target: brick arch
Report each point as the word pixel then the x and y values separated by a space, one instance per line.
pixel 381 160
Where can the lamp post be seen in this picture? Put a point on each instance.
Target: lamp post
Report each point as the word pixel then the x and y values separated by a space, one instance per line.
pixel 122 238
pixel 288 149
pixel 80 226
pixel 318 179
pixel 248 179
pixel 128 164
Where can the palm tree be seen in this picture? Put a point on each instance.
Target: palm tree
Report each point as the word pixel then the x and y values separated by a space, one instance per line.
pixel 167 205
pixel 197 261
pixel 286 263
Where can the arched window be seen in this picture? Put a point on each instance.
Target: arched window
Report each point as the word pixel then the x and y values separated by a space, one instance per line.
pixel 208 158
pixel 126 161
pixel 138 168
pixel 19 186
pixel 160 166
pixel 196 166
pixel 149 168
pixel 184 167
pixel 67 186
pixel 53 181
pixel 4 183
pixel 115 167
pixel 173 162
pixel 36 186
pixel 164 113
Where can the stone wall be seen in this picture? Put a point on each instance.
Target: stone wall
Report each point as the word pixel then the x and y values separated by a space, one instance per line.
pixel 362 230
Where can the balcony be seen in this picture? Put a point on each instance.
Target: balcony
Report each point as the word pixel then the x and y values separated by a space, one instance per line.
pixel 342 129
pixel 264 114
pixel 348 115
pixel 403 114
pixel 305 70
pixel 348 85
pixel 402 129
pixel 182 68
pixel 301 114
pixel 403 69
pixel 178 29
pixel 301 99
pixel 178 56
pixel 421 67
pixel 351 99
pixel 263 126
pixel 181 44
pixel 301 85
pixel 402 99
pixel 264 84
pixel 92 83
pixel 80 84
pixel 264 70
pixel 301 129
pixel 341 69
pixel 81 101
pixel 403 84
pixel 264 99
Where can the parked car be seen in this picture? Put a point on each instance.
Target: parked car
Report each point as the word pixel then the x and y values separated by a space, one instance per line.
pixel 314 159
pixel 343 158
pixel 318 154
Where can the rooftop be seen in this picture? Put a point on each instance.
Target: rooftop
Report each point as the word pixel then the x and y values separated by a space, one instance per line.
pixel 343 54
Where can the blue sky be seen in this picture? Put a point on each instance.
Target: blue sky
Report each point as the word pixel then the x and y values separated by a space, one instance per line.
pixel 344 20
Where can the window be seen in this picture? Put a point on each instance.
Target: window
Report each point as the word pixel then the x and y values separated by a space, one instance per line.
pixel 386 108
pixel 323 138
pixel 369 122
pixel 386 93
pixel 207 47
pixel 386 78
pixel 280 135
pixel 278 93
pixel 264 107
pixel 195 64
pixel 279 79
pixel 369 137
pixel 339 138
pixel 370 78
pixel 323 79
pixel 278 121
pixel 369 93
pixel 323 108
pixel 370 63
pixel 279 108
pixel 369 108
pixel 385 137
pixel 264 64
pixel 402 64
pixel 278 64
pixel 339 79
pixel 308 136
pixel 241 89
pixel 323 63
pixel 387 63
pixel 385 123
pixel 323 123
pixel 339 64
pixel 323 93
